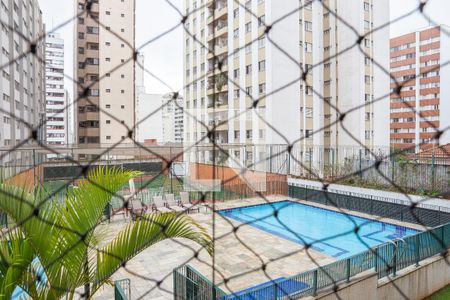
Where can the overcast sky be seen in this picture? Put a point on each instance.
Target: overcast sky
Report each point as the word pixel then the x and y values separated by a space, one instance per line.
pixel 164 57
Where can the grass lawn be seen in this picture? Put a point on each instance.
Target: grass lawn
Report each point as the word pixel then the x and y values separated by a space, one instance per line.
pixel 160 181
pixel 443 294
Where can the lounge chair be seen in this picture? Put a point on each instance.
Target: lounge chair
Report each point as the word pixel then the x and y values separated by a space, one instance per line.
pixel 117 207
pixel 172 204
pixel 159 205
pixel 184 201
pixel 137 209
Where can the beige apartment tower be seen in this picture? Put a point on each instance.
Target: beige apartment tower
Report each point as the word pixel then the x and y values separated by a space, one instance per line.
pixel 104 68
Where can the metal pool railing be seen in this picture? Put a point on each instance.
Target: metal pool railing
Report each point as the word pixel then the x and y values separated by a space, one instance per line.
pixel 401 210
pixel 122 289
pixel 189 284
pixel 386 259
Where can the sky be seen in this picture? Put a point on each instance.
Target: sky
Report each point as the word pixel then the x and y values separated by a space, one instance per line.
pixel 164 57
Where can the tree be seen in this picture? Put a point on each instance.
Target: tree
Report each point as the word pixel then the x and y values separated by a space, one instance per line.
pixel 62 236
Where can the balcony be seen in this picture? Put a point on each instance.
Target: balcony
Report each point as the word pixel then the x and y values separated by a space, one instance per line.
pixel 211 91
pixel 221 102
pixel 91 38
pixel 88 131
pixel 221 49
pixel 220 13
pixel 221 30
pixel 92 116
pixel 91 53
pixel 91 69
pixel 221 124
pixel 95 7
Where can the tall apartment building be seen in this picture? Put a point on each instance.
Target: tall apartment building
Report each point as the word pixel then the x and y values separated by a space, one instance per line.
pixel 248 63
pixel 172 118
pixel 159 118
pixel 104 67
pixel 55 101
pixel 69 118
pixel 416 64
pixel 149 118
pixel 22 83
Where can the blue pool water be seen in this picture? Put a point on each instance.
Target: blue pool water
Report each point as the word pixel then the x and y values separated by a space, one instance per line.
pixel 265 291
pixel 326 230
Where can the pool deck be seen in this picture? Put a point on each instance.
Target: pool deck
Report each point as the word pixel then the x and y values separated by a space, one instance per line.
pixel 239 255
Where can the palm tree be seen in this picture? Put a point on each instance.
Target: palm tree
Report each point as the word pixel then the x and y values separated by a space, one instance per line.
pixel 62 236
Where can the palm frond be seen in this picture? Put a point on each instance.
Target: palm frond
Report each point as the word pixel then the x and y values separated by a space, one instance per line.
pixel 16 258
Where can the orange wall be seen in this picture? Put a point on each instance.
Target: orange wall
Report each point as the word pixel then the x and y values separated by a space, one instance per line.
pixel 276 184
pixel 26 178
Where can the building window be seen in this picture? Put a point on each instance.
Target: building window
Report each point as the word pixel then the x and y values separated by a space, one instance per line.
pixel 261 42
pixel 236 13
pixel 262 66
pixel 308 26
pixel 261 21
pixel 308 47
pixel 262 88
pixel 248 27
pixel 248 69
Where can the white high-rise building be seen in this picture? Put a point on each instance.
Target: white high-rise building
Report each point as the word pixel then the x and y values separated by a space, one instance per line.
pixel 172 118
pixel 55 108
pixel 236 63
pixel 149 126
pixel 149 122
pixel 159 118
pixel 22 80
pixel 70 120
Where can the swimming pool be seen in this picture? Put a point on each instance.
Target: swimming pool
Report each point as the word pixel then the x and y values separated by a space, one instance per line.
pixel 328 231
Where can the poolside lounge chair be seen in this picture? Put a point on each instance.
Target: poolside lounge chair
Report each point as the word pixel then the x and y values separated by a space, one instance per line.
pixel 137 209
pixel 117 207
pixel 159 205
pixel 184 201
pixel 172 204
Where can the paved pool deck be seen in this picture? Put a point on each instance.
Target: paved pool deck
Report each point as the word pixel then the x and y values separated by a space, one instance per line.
pixel 239 255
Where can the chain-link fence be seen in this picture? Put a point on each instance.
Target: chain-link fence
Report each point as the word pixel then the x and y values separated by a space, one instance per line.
pixel 57 243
